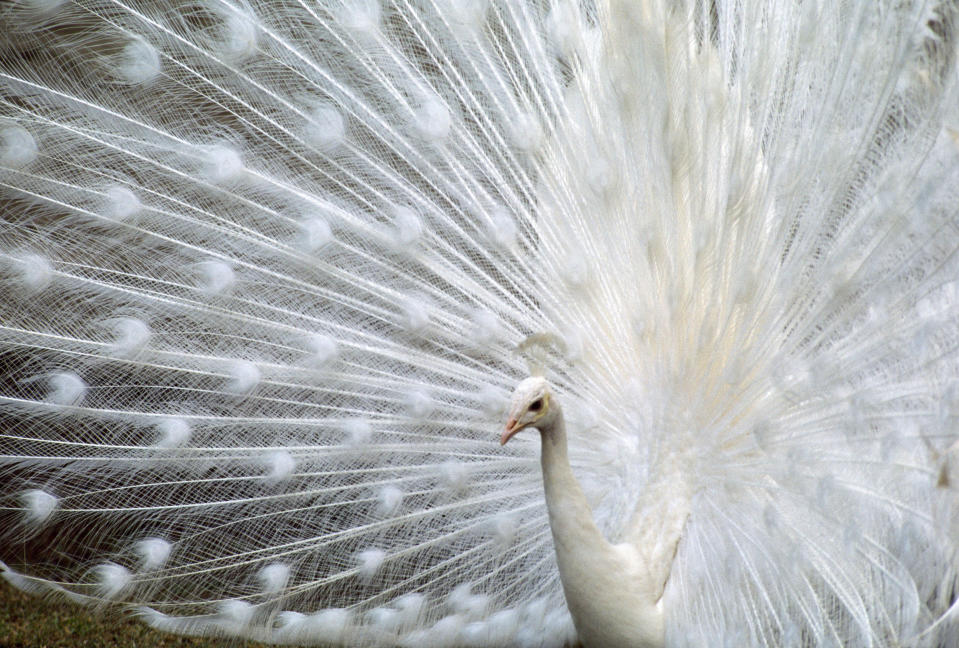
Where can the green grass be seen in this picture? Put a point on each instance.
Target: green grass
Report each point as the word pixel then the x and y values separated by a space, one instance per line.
pixel 32 622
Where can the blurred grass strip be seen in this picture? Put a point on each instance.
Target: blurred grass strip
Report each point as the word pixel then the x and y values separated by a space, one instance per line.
pixel 32 622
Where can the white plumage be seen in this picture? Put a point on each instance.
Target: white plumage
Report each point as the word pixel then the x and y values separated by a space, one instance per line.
pixel 269 271
pixel 614 592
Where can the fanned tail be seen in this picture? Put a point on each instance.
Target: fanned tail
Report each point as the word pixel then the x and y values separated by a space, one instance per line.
pixel 264 269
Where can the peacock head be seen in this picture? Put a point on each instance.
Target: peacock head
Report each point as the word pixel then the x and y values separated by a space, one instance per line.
pixel 531 406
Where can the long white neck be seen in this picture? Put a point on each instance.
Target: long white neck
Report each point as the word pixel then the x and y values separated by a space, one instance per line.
pixel 608 588
pixel 570 517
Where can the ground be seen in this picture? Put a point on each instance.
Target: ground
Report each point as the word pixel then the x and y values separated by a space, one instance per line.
pixel 31 622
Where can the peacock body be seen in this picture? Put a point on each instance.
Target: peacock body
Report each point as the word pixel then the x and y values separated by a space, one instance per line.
pixel 270 269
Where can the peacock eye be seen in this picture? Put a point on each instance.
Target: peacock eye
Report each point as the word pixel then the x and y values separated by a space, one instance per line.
pixel 536 405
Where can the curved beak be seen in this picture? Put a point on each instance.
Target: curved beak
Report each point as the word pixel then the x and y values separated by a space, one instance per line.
pixel 512 427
